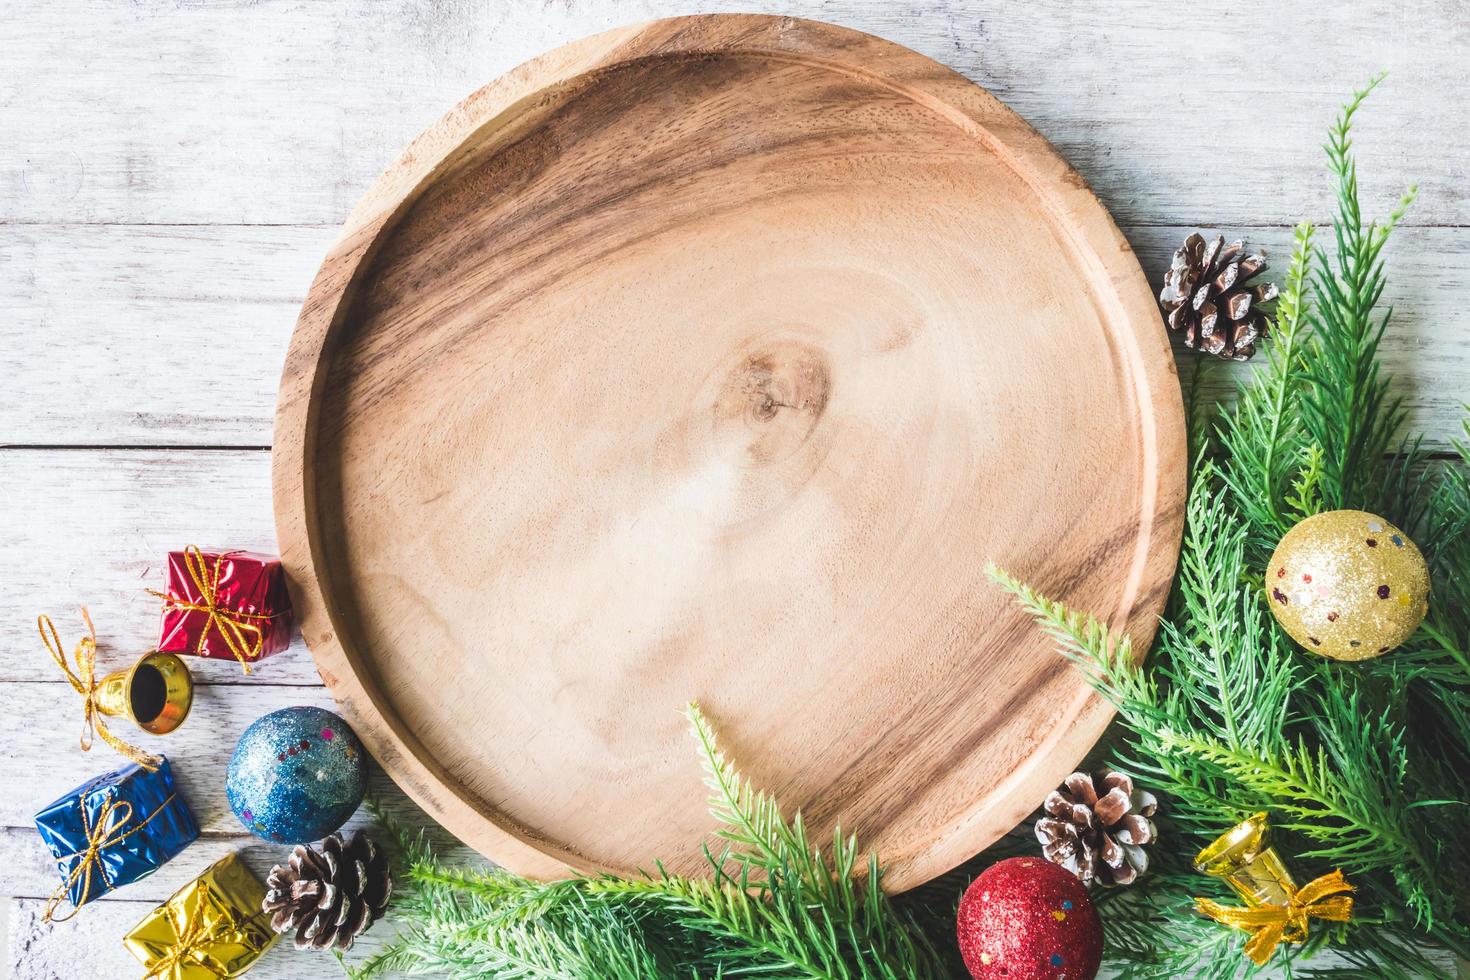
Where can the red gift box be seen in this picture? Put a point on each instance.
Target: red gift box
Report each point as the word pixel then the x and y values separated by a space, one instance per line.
pixel 225 604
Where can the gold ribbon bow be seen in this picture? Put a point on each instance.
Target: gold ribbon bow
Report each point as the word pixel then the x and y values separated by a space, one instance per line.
pixel 213 927
pixel 107 832
pixel 84 682
pixel 187 945
pixel 1271 924
pixel 241 630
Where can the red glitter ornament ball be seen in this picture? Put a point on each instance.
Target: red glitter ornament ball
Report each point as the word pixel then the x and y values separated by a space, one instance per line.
pixel 1028 919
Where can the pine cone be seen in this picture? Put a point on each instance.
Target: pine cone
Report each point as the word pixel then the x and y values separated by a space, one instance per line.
pixel 1096 827
pixel 1209 297
pixel 330 893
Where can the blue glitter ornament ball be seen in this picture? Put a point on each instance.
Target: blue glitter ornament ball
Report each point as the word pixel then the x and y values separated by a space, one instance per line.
pixel 297 775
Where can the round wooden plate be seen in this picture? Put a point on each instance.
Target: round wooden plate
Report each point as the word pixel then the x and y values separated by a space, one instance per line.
pixel 712 360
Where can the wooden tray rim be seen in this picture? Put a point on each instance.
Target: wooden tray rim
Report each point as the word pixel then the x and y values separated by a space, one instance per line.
pixel 1075 213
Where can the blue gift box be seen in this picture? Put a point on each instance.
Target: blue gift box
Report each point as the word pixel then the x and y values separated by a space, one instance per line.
pixel 114 829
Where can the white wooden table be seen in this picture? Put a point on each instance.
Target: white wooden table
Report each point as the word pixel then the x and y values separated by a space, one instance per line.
pixel 171 172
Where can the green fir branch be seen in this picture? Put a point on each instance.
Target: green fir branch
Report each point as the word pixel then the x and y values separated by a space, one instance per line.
pixel 1263 439
pixel 1345 404
pixel 773 905
pixel 1361 765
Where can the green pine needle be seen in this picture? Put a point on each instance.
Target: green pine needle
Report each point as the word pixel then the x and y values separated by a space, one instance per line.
pixel 1362 766
pixel 773 904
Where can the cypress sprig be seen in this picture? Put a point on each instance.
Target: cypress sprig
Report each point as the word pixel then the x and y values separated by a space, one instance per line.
pixel 773 904
pixel 1361 765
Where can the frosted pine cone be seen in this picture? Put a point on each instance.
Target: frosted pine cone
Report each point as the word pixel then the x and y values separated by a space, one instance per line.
pixel 1096 827
pixel 1211 298
pixel 329 894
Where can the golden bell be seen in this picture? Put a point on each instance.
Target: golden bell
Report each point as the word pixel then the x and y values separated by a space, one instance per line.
pixel 1244 857
pixel 154 694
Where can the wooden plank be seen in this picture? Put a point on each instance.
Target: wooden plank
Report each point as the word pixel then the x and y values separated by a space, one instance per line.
pixel 282 113
pixel 42 723
pixel 157 335
pixel 30 872
pixel 174 335
pixel 29 875
pixel 84 947
pixel 94 528
pixel 90 946
pixel 45 721
pixel 1426 351
pixel 199 771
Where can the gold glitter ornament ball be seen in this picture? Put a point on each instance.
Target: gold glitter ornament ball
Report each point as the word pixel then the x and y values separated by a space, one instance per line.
pixel 1348 585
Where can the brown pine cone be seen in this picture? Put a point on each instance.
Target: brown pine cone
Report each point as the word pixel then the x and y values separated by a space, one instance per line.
pixel 1096 827
pixel 1209 297
pixel 331 893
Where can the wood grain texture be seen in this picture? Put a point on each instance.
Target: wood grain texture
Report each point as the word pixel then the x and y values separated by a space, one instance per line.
pixel 41 728
pixel 51 723
pixel 692 361
pixel 147 319
pixel 30 873
pixel 179 116
pixel 277 112
pixel 147 335
pixel 93 527
pixel 85 948
pixel 96 528
pixel 89 947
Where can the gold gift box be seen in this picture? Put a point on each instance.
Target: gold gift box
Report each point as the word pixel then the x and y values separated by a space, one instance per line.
pixel 211 928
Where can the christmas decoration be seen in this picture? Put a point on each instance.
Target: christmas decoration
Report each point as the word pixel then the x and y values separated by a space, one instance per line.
pixel 210 929
pixel 1270 924
pixel 1028 919
pixel 1224 707
pixel 84 681
pixel 1277 910
pixel 330 894
pixel 773 902
pixel 225 604
pixel 1245 857
pixel 113 830
pixel 296 775
pixel 155 693
pixel 1348 585
pixel 1096 828
pixel 1209 296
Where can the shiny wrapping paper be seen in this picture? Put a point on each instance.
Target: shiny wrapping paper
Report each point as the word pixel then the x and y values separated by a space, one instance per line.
pixel 136 816
pixel 211 928
pixel 229 605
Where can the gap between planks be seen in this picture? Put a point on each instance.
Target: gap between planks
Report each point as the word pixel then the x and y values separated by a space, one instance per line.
pixel 1319 222
pixel 1440 455
pixel 165 287
pixel 66 447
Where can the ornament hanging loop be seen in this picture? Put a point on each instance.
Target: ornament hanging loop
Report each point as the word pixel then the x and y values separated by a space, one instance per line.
pixel 84 681
pixel 1277 911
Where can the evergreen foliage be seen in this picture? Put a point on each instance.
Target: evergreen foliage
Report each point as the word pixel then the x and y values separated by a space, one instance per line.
pixel 1363 767
pixel 772 905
